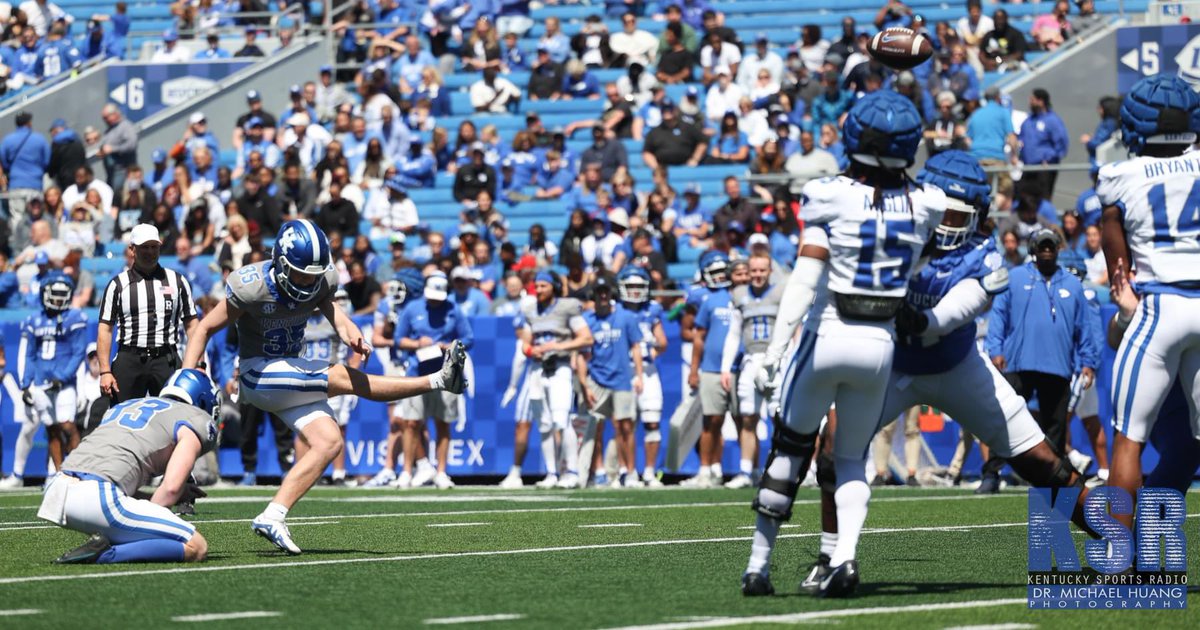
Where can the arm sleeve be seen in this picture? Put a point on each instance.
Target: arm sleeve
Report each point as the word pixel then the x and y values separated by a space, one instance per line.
pixel 732 341
pixel 801 288
pixel 997 323
pixel 24 357
pixel 963 303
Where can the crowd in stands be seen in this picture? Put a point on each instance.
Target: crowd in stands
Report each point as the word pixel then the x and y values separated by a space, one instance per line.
pixel 359 138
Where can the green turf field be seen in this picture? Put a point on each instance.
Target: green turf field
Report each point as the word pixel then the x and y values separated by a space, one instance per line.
pixel 526 559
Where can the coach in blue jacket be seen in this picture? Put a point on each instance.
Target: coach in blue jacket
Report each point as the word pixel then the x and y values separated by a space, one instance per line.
pixel 1038 334
pixel 1043 140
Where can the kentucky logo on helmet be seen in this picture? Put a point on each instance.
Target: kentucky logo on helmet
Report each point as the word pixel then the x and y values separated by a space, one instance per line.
pixel 287 240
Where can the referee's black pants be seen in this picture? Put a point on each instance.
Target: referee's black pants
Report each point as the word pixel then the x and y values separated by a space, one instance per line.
pixel 253 422
pixel 1053 395
pixel 140 374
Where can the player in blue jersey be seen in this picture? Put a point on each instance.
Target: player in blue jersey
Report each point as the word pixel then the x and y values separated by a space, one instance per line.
pixel 1151 237
pixel 937 361
pixel 270 302
pixel 708 341
pixel 634 290
pixel 406 285
pixel 428 327
pixel 610 383
pixel 56 55
pixel 53 346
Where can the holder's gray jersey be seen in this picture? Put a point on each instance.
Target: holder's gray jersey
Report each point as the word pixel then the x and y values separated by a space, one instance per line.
pixel 272 326
pixel 136 439
pixel 758 315
pixel 557 323
pixel 322 342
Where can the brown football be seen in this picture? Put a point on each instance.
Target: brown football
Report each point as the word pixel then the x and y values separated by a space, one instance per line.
pixel 900 48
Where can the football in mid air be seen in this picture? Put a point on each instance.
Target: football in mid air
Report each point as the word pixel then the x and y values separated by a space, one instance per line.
pixel 900 48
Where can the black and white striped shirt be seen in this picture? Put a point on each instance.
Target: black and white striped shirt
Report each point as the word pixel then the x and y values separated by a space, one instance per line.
pixel 147 310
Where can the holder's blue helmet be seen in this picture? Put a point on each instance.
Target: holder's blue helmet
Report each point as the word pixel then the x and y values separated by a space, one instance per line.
pixel 967 193
pixel 300 247
pixel 194 388
pixel 883 129
pixel 1162 109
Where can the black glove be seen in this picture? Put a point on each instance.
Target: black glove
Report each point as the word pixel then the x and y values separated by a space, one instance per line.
pixel 191 492
pixel 27 398
pixel 910 321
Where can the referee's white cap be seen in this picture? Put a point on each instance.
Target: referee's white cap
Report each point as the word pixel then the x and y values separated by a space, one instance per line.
pixel 144 233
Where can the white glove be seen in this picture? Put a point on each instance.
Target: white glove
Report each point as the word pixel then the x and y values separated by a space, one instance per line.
pixel 764 380
pixel 509 394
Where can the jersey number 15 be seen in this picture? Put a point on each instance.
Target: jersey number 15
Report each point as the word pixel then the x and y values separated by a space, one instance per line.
pixel 883 263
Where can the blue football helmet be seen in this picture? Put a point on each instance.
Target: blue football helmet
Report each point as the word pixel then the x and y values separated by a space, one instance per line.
pixel 194 388
pixel 967 193
pixel 634 285
pixel 300 247
pixel 883 129
pixel 57 292
pixel 714 269
pixel 1162 109
pixel 406 283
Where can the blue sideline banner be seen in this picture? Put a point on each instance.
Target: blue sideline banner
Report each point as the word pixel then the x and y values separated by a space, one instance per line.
pixel 1144 51
pixel 144 89
pixel 483 444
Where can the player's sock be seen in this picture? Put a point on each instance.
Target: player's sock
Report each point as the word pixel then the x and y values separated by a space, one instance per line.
pixel 143 551
pixel 22 448
pixel 515 470
pixel 715 471
pixel 339 474
pixel 828 542
pixel 274 512
pixel 548 454
pixel 649 473
pixel 570 444
pixel 766 529
pixel 852 496
pixel 1102 474
pixel 745 467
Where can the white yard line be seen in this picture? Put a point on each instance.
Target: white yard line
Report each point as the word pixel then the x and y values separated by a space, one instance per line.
pixel 996 626
pixel 18 612
pixel 824 614
pixel 249 614
pixel 599 525
pixel 457 524
pixel 446 621
pixel 314 523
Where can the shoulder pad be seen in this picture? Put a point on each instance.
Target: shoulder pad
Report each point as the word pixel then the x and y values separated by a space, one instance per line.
pixel 995 282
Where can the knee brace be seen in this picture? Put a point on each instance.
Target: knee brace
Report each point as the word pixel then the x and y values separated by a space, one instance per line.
pixel 789 443
pixel 826 471
pixel 653 435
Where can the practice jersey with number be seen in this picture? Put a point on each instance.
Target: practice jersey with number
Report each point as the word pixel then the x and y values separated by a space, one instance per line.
pixel 648 316
pixel 52 348
pixel 135 441
pixel 758 315
pixel 557 322
pixel 614 336
pixel 976 260
pixel 271 325
pixel 322 342
pixel 1159 199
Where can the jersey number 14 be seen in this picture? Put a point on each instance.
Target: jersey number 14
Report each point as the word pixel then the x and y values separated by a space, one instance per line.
pixel 1187 222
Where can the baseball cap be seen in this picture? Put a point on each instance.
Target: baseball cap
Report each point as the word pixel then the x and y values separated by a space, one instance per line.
pixel 251 29
pixel 468 228
pixel 398 238
pixel 758 238
pixel 394 183
pixel 692 189
pixel 437 288
pixel 158 156
pixel 212 34
pixel 326 69
pixel 543 48
pixel 144 233
pixel 170 35
pixel 295 89
pixel 782 120
pixel 253 95
pixel 667 103
pixel 42 258
pixel 461 273
pixel 761 37
pixel 693 91
pixel 196 118
pixel 298 119
pixel 254 121
pixel 619 217
pixel 1044 236
pixel 58 122
pixel 478 146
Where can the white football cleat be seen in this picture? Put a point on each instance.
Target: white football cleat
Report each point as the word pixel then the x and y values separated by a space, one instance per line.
pixel 1079 461
pixel 381 478
pixel 12 482
pixel 740 481
pixel 512 481
pixel 424 475
pixel 653 482
pixel 443 482
pixel 569 481
pixel 404 480
pixel 702 480
pixel 549 482
pixel 276 532
pixel 632 481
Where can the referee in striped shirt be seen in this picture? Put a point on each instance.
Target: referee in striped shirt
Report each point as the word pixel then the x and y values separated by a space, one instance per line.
pixel 146 303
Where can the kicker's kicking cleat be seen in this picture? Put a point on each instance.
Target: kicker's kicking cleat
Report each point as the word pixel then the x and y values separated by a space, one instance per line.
pixel 757 585
pixel 276 532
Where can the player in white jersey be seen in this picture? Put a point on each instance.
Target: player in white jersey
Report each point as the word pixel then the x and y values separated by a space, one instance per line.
pixel 321 343
pixel 270 303
pixel 1151 234
pixel 864 234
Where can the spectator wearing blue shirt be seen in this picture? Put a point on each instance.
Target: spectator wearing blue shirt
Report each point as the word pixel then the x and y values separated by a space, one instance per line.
pixel 468 298
pixel 354 143
pixel 1039 334
pixel 893 13
pixel 513 17
pixel 511 56
pixel 198 135
pixel 730 145
pixel 214 50
pixel 484 271
pixel 708 341
pixel 408 66
pixel 199 276
pixel 831 142
pixel 97 43
pixel 160 174
pixel 832 102
pixel 553 180
pixel 990 130
pixel 555 42
pixel 394 135
pixel 1110 113
pixel 1043 139
pixel 908 87
pixel 57 54
pixel 419 168
pixel 579 82
pixel 584 196
pixel 24 158
pixel 957 76
pixel 10 296
pixel 24 57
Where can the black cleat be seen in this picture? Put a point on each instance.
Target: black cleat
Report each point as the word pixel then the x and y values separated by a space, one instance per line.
pixel 816 573
pixel 453 379
pixel 87 553
pixel 757 585
pixel 841 581
pixel 912 482
pixel 185 508
pixel 990 484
